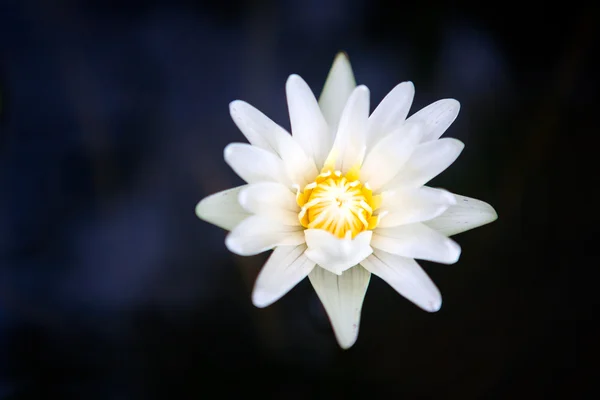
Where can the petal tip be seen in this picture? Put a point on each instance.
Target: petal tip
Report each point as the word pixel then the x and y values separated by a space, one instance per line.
pixel 260 299
pixel 235 108
pixel 341 62
pixel 451 105
pixel 346 344
pixel 228 151
pixel 294 79
pixel 235 246
pixel 243 198
pixel 493 214
pixel 454 145
pixel 453 108
pixel 341 55
pixel 407 85
pixel 362 89
pixel 454 251
pixel 454 104
pixel 434 305
pixel 235 103
pixel 200 209
pixel 231 244
pixel 346 336
pixel 459 144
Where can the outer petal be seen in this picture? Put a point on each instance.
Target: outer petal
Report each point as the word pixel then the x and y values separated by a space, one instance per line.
pixel 436 117
pixel 309 127
pixel 467 214
pixel 271 200
pixel 222 209
pixel 262 132
pixel 342 296
pixel 349 145
pixel 406 277
pixel 259 129
pixel 338 87
pixel 416 241
pixel 253 164
pixel 390 113
pixel 334 254
pixel 389 155
pixel 401 207
pixel 284 269
pixel 257 234
pixel 426 162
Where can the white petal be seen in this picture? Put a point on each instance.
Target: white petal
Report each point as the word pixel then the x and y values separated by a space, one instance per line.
pixel 389 155
pixel 309 127
pixel 436 117
pixel 342 297
pixel 253 164
pixel 416 241
pixel 349 146
pixel 284 269
pixel 300 168
pixel 335 254
pixel 271 200
pixel 467 214
pixel 259 129
pixel 390 113
pixel 336 91
pixel 406 277
pixel 401 207
pixel 426 162
pixel 257 234
pixel 222 209
pixel 262 132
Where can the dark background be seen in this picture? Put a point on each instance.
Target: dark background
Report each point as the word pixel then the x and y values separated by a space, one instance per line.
pixel 113 118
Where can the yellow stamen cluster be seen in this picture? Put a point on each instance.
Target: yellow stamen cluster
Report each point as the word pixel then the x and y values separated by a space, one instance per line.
pixel 338 203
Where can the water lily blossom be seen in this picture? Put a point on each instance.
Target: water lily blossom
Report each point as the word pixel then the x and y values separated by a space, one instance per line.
pixel 343 197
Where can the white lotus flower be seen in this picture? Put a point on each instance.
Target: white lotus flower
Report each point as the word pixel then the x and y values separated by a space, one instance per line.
pixel 342 197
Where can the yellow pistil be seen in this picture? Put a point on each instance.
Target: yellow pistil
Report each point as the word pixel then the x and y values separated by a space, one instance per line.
pixel 338 203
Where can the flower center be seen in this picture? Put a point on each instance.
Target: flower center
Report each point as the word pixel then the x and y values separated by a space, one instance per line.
pixel 339 204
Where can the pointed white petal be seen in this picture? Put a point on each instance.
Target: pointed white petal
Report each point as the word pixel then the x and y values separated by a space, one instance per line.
pixel 222 209
pixel 349 146
pixel 467 214
pixel 426 162
pixel 284 269
pixel 342 297
pixel 259 129
pixel 262 132
pixel 436 117
pixel 401 207
pixel 389 155
pixel 271 200
pixel 390 113
pixel 253 164
pixel 416 241
pixel 257 234
pixel 309 127
pixel 335 254
pixel 338 87
pixel 406 277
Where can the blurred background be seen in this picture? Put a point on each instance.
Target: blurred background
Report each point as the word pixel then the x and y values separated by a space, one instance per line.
pixel 113 120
